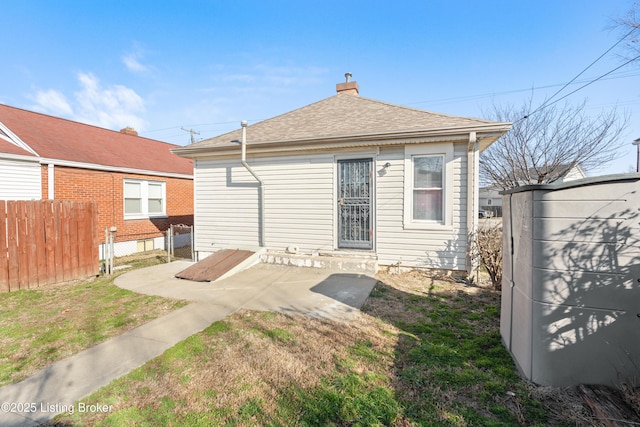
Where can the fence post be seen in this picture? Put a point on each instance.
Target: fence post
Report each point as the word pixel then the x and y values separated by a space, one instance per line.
pixel 111 250
pixel 169 244
pixel 173 241
pixel 105 251
pixel 193 244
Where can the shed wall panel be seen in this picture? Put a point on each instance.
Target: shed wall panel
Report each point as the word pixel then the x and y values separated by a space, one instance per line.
pixel 571 262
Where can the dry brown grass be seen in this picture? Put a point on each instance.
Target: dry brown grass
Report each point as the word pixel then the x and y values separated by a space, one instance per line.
pixel 47 324
pixel 396 306
pixel 250 356
pixel 261 358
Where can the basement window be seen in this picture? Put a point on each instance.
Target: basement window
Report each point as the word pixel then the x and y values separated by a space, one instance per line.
pixel 144 199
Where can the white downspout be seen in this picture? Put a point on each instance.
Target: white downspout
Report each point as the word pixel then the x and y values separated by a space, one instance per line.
pixel 252 172
pixel 51 183
pixel 472 196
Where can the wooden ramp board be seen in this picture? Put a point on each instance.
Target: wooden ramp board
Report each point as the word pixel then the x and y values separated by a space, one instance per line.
pixel 215 265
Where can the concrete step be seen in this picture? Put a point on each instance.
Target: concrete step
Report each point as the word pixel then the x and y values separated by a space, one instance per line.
pixel 365 263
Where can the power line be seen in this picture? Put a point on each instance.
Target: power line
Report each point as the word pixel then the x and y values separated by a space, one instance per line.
pixel 580 88
pixel 463 98
pixel 547 103
pixel 589 66
pixel 506 92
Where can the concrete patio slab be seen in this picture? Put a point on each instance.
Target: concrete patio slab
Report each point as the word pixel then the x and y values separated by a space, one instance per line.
pixel 305 291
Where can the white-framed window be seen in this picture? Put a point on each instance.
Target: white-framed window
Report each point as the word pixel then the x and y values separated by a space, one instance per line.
pixel 428 188
pixel 144 199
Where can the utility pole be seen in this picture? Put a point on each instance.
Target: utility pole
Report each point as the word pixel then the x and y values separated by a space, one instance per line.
pixel 637 144
pixel 191 131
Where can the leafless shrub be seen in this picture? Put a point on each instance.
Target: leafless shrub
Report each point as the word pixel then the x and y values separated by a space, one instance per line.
pixel 489 248
pixel 564 405
pixel 631 395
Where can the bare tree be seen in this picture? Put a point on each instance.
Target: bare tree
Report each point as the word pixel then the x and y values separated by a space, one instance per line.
pixel 629 26
pixel 542 146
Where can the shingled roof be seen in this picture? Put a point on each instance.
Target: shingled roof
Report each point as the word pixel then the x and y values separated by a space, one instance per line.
pixel 342 117
pixel 9 148
pixel 60 139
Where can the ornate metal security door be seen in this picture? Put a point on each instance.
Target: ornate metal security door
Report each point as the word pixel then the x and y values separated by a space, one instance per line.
pixel 355 221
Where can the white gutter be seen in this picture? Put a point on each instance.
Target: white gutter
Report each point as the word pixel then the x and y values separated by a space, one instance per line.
pixel 51 182
pixel 333 143
pixel 252 172
pixel 105 168
pixel 21 157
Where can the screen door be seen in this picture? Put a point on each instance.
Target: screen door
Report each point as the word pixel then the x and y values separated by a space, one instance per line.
pixel 355 185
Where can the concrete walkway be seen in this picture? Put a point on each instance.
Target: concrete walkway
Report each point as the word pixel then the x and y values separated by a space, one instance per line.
pixel 315 292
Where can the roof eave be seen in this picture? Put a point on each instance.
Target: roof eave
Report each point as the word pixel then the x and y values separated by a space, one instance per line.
pixel 107 168
pixel 487 133
pixel 21 157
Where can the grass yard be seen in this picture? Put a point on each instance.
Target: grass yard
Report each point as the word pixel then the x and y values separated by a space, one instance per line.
pixel 425 352
pixel 41 326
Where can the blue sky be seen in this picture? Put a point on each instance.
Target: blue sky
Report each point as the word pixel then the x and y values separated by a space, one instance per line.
pixel 206 65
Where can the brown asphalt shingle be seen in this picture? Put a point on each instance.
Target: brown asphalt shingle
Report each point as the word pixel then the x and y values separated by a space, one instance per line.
pixel 337 116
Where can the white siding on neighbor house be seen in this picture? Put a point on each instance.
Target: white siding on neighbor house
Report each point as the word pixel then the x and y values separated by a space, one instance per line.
pixel 20 180
pixel 574 173
pixel 489 197
pixel 299 203
pixel 433 248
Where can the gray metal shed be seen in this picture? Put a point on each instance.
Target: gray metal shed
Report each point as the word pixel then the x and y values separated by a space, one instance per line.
pixel 571 280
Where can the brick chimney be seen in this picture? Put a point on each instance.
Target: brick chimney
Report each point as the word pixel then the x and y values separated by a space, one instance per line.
pixel 348 87
pixel 129 131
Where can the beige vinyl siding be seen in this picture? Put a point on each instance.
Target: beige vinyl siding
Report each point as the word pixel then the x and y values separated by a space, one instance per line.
pixel 298 203
pixel 226 206
pixel 300 206
pixel 20 180
pixel 433 248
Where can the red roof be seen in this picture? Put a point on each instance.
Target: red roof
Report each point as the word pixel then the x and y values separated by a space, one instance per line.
pixel 9 148
pixel 61 139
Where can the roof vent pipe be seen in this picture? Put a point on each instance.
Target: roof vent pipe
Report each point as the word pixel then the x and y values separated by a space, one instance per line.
pixel 243 160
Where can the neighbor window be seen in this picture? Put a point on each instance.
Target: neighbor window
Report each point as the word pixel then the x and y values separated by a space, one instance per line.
pixel 155 198
pixel 428 186
pixel 143 199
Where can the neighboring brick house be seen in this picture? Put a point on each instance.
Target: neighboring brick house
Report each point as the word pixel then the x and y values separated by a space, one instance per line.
pixel 140 187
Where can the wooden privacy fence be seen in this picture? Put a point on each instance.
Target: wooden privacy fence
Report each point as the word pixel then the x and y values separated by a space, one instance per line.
pixel 46 241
